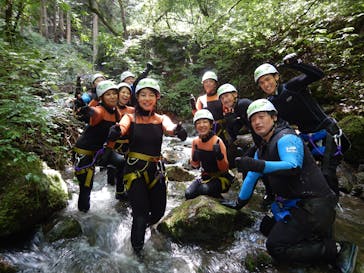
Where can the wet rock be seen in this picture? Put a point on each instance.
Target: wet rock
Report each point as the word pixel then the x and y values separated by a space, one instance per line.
pixel 353 128
pixel 6 267
pixel 258 261
pixel 176 173
pixel 203 220
pixel 64 229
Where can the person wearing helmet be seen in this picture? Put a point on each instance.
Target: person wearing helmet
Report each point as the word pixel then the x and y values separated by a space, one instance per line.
pixel 89 148
pixel 122 144
pixel 130 79
pixel 236 119
pixel 209 153
pixel 144 173
pixel 296 105
pixel 304 211
pixel 86 98
pixel 234 111
pixel 210 100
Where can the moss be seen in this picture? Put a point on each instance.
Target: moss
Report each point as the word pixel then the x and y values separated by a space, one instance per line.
pixel 353 127
pixel 28 198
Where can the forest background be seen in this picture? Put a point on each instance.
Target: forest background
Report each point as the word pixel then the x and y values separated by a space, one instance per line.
pixel 45 45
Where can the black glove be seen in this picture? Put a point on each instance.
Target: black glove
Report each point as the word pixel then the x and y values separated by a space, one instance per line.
pixel 193 102
pixel 149 66
pixel 196 154
pixel 104 159
pixel 234 204
pixel 247 163
pixel 180 132
pixel 291 59
pixel 78 103
pixel 217 151
pixel 84 113
pixel 114 133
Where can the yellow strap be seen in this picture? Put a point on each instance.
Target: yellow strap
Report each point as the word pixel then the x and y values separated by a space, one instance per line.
pixel 83 151
pixel 122 141
pixel 90 172
pixel 144 157
pixel 225 183
pixel 130 177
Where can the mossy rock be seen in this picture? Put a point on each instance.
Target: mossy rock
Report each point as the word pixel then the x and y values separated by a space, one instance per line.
pixel 64 229
pixel 202 220
pixel 32 194
pixel 353 127
pixel 176 173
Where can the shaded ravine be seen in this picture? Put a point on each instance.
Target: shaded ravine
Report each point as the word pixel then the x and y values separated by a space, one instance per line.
pixel 105 247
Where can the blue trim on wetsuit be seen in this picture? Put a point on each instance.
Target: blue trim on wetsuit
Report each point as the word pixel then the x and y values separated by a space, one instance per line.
pixel 290 151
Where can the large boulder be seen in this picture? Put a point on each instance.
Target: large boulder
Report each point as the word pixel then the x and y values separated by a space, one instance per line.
pixel 203 220
pixel 34 192
pixel 353 127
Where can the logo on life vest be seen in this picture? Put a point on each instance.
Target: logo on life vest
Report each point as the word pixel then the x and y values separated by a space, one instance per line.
pixel 291 149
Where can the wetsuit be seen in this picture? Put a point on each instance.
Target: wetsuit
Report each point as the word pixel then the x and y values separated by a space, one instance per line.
pixel 89 148
pixel 214 105
pixel 304 209
pixel 122 147
pixel 296 105
pixel 235 121
pixel 215 176
pixel 144 172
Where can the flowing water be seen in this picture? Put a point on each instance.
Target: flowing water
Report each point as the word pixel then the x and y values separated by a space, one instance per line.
pixel 104 246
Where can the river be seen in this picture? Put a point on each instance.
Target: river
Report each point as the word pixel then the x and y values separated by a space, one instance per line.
pixel 104 246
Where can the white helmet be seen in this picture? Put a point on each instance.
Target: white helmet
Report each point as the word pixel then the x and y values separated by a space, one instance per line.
pixel 260 105
pixel 203 113
pixel 104 86
pixel 264 69
pixel 226 88
pixel 148 83
pixel 123 84
pixel 97 75
pixel 209 75
pixel 126 74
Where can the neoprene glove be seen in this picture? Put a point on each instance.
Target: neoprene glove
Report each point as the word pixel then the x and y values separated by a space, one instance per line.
pixel 234 204
pixel 180 132
pixel 196 154
pixel 217 151
pixel 291 59
pixel 114 133
pixel 247 163
pixel 149 66
pixel 84 113
pixel 104 159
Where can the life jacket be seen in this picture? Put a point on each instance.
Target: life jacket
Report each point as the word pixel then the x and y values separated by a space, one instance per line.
pixel 308 182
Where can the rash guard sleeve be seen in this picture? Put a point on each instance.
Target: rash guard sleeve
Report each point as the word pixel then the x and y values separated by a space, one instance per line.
pixel 291 152
pixel 249 183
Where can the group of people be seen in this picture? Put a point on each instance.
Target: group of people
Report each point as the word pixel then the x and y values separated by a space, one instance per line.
pixel 297 150
pixel 112 123
pixel 299 173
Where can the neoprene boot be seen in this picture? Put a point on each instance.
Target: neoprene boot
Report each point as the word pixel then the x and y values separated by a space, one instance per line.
pixel 346 258
pixel 138 232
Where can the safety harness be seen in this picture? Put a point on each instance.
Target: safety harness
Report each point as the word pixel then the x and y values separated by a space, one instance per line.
pixel 281 208
pixel 133 158
pixel 225 182
pixel 89 168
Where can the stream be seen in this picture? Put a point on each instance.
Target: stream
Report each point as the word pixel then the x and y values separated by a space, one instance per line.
pixel 104 246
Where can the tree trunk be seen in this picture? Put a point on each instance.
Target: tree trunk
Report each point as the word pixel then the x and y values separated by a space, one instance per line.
pixel 44 19
pixel 95 32
pixel 61 24
pixel 56 24
pixel 123 19
pixel 68 27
